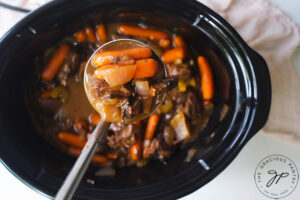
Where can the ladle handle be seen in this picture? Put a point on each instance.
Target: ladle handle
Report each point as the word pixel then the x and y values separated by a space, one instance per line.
pixel 74 177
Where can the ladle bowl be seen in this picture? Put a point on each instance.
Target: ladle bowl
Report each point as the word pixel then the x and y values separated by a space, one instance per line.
pixel 125 44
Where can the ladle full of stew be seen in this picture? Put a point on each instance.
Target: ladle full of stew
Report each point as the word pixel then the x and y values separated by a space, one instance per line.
pixel 125 81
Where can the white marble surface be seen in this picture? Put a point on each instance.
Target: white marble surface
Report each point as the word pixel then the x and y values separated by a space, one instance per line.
pixel 234 183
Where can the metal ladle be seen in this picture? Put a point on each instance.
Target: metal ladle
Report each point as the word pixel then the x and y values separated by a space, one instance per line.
pixel 74 177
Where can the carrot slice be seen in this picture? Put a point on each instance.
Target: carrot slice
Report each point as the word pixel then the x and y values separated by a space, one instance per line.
pixel 145 68
pixel 164 43
pixel 101 32
pixel 94 118
pixel 71 139
pixel 152 91
pixel 75 152
pixel 80 36
pixel 106 57
pixel 136 149
pixel 46 94
pixel 173 54
pixel 51 69
pixel 207 81
pixel 90 33
pixel 137 31
pixel 178 41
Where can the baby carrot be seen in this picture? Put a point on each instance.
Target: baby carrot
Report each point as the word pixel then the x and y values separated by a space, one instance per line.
pixel 75 152
pixel 90 34
pixel 150 130
pixel 178 41
pixel 164 43
pixel 112 156
pixel 207 81
pixel 101 32
pixel 137 31
pixel 71 139
pixel 46 94
pixel 94 118
pixel 55 63
pixel 106 57
pixel 151 126
pixel 101 159
pixel 136 149
pixel 173 54
pixel 80 36
pixel 145 68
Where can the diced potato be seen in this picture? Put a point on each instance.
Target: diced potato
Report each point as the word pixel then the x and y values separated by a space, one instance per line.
pixel 109 112
pixel 116 75
pixel 179 125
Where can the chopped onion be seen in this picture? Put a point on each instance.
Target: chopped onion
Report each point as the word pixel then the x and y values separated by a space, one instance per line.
pixel 180 126
pixel 224 112
pixel 142 88
pixel 190 154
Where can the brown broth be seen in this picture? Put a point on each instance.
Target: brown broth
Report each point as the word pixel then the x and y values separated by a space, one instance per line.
pixel 78 106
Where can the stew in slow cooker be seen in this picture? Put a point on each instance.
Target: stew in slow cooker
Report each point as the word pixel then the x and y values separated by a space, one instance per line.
pixel 62 113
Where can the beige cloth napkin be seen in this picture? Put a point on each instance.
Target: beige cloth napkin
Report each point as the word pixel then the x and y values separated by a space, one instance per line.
pixel 271 33
pixel 267 30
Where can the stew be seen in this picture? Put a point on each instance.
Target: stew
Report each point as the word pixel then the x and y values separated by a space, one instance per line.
pixel 62 113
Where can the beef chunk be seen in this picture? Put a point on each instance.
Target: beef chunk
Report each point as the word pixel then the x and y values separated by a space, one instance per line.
pixel 150 149
pixel 123 137
pixel 178 70
pixel 165 85
pixel 84 49
pixel 115 127
pixel 130 109
pixel 192 105
pixel 70 65
pixel 63 74
pixel 100 88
